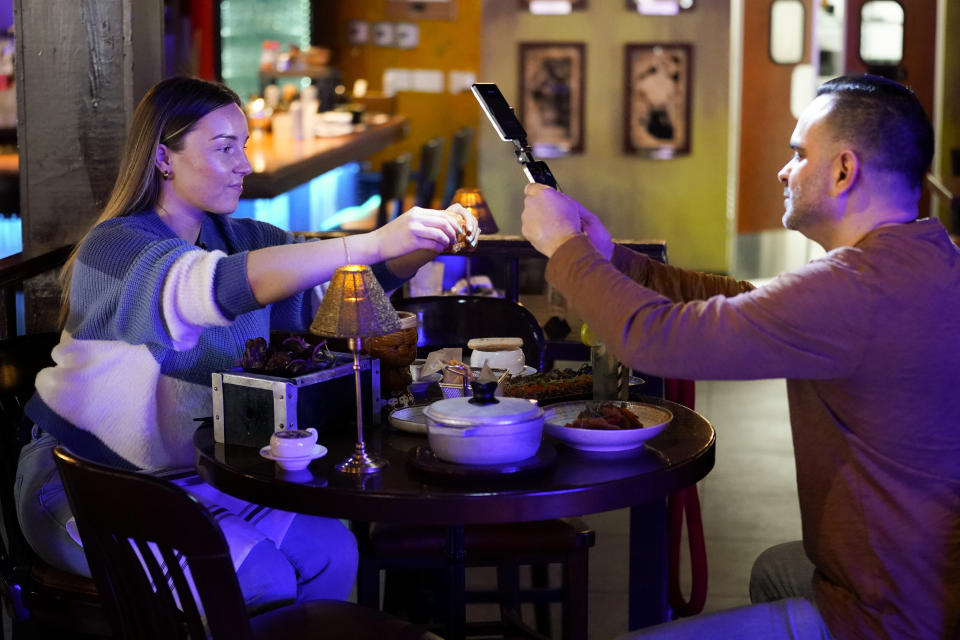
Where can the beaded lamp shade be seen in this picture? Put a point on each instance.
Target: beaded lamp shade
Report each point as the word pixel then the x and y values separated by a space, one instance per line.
pixel 473 201
pixel 355 306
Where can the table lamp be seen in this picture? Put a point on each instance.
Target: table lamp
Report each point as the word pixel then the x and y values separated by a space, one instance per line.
pixel 355 307
pixel 474 202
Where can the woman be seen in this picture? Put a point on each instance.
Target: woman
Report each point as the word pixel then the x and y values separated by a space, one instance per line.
pixel 164 290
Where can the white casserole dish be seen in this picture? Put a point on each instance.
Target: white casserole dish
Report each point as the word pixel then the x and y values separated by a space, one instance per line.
pixel 482 432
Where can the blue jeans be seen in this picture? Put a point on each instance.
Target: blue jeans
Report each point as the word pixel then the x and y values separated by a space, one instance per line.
pixel 782 592
pixel 280 557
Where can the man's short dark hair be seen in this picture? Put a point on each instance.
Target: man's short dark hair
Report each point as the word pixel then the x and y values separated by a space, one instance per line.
pixel 884 121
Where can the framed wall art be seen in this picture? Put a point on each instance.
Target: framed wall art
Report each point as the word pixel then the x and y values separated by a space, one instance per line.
pixel 551 99
pixel 657 99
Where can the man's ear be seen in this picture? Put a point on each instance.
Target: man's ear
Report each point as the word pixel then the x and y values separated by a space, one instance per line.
pixel 846 170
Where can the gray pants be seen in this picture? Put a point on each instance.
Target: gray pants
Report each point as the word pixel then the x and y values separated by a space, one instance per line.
pixel 782 592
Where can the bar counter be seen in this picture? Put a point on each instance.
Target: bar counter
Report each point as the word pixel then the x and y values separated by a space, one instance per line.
pixel 279 166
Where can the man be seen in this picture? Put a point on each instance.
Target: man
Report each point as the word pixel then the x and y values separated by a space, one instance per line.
pixel 868 337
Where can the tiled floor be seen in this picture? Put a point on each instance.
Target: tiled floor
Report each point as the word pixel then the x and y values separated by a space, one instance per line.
pixel 748 501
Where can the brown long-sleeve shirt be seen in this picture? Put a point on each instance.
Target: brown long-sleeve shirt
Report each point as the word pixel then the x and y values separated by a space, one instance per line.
pixel 868 338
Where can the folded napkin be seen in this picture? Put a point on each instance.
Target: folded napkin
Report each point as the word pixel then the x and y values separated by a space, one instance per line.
pixel 437 359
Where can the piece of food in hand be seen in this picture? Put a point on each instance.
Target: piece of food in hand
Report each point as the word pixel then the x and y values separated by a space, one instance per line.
pixel 463 233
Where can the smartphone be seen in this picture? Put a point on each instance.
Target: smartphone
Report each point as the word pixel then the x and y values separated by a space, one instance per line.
pixel 500 113
pixel 508 127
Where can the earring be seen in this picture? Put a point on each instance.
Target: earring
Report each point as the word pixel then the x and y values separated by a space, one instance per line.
pixel 166 174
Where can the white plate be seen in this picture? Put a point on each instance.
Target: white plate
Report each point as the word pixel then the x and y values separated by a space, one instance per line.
pixel 409 419
pixel 295 463
pixel 655 419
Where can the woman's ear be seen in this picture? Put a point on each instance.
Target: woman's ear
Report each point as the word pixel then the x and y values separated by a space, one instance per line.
pixel 846 170
pixel 162 159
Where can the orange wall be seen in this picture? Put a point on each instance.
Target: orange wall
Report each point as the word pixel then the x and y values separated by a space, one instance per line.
pixel 445 45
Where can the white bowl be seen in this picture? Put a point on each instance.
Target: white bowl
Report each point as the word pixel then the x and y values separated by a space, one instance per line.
pixel 654 418
pixel 512 360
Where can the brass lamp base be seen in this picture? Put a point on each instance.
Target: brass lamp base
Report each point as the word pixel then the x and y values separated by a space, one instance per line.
pixel 360 462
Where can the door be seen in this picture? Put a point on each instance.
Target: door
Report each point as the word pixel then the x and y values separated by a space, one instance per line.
pixel 769 66
pixel 872 30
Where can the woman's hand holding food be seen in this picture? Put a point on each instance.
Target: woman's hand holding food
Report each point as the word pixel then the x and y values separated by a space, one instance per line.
pixel 426 229
pixel 466 235
pixel 470 229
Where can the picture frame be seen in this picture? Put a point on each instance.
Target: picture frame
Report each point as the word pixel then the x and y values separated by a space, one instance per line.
pixel 657 100
pixel 551 98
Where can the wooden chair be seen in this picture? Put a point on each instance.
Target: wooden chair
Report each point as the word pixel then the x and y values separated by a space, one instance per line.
pixel 414 558
pixel 426 175
pixel 459 152
pixel 394 178
pixel 164 570
pixel 450 321
pixel 40 600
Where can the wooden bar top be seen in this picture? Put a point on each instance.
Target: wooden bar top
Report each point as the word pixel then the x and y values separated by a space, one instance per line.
pixel 280 165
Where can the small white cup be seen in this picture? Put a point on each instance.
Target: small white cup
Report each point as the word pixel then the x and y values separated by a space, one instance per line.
pixel 512 360
pixel 291 443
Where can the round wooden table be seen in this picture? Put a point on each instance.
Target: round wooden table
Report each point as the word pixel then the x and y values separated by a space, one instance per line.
pixel 576 483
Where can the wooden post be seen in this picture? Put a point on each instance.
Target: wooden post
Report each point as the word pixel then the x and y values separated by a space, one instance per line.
pixel 81 67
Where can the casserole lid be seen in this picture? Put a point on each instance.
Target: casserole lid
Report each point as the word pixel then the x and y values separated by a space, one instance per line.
pixel 483 409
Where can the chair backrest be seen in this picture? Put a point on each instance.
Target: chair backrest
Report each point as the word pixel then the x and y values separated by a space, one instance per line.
pixel 394 178
pixel 138 533
pixel 459 152
pixel 450 321
pixel 430 154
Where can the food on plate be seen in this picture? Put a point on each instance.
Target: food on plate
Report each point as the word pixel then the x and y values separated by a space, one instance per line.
pixel 558 383
pixel 606 416
pixel 292 357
